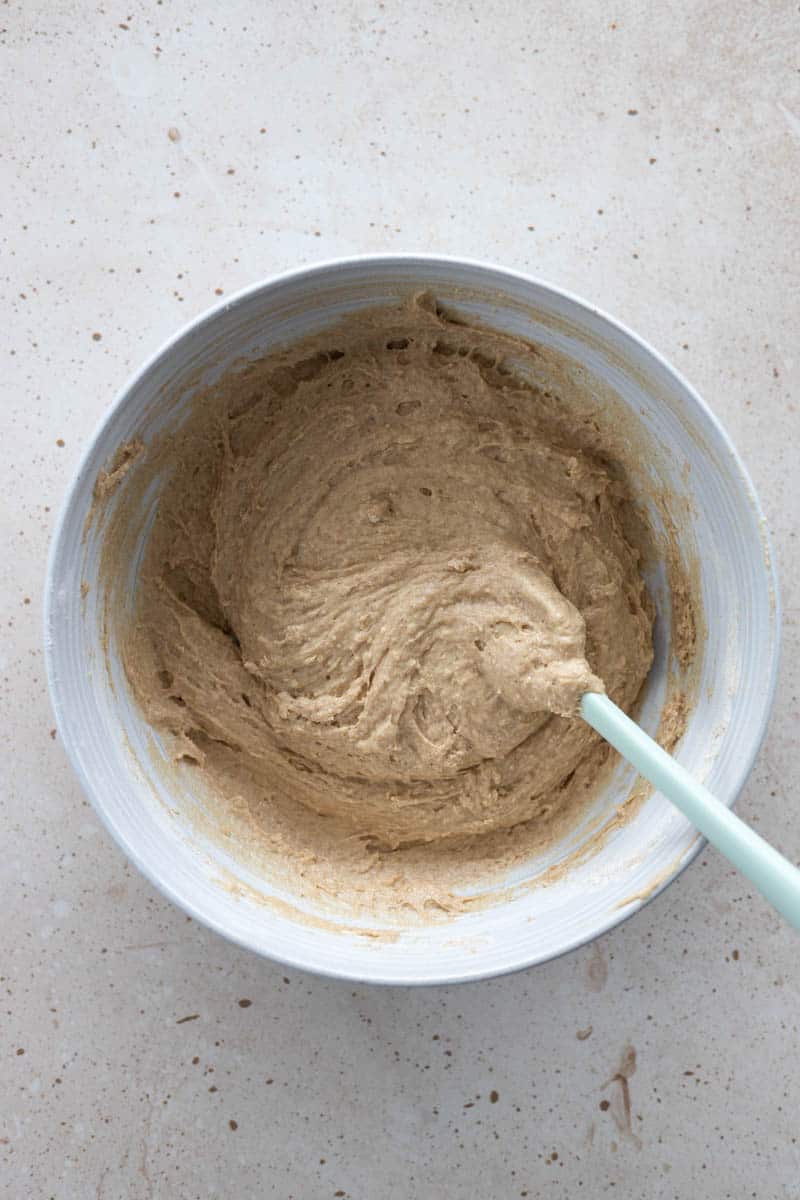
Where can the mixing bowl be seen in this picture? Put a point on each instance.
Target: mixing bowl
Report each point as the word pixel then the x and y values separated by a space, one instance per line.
pixel 154 812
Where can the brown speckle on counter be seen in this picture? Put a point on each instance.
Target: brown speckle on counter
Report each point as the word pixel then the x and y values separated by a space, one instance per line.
pixel 596 969
pixel 621 1105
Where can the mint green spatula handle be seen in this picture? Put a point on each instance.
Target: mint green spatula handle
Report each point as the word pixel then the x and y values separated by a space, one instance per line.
pixel 774 876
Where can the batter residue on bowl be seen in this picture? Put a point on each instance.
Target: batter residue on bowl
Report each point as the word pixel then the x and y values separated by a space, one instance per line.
pixel 383 569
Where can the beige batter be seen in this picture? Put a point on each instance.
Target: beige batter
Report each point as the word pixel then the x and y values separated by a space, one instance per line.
pixel 382 574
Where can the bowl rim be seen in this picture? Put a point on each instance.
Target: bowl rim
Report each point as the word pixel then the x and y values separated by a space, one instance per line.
pixel 72 499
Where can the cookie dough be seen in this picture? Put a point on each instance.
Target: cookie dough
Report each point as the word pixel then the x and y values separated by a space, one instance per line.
pixel 383 571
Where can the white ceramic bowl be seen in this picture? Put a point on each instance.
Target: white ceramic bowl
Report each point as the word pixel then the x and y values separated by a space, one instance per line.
pixel 721 526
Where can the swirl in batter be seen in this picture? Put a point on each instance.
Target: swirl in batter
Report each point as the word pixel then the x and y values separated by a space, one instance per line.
pixel 382 574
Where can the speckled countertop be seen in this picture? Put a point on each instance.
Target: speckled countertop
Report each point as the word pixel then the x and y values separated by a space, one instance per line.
pixel 157 156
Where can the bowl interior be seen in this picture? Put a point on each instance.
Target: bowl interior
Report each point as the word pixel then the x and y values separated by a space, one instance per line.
pixel 154 812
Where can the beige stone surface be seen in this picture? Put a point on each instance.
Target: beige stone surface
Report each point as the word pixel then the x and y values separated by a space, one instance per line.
pixel 154 157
